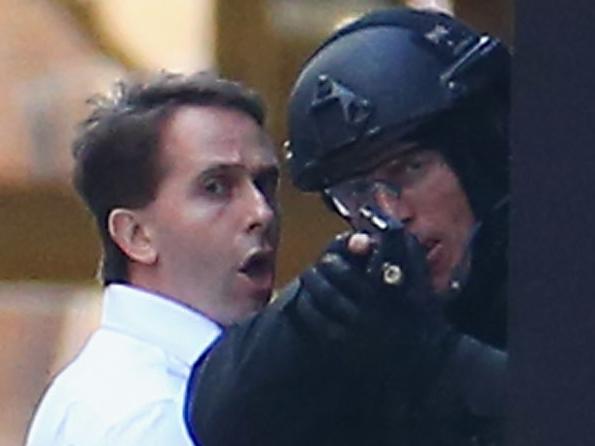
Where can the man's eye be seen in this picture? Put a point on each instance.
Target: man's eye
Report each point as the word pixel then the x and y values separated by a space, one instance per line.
pixel 218 187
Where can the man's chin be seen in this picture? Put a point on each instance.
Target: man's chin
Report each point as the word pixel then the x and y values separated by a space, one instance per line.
pixel 250 306
pixel 261 298
pixel 257 289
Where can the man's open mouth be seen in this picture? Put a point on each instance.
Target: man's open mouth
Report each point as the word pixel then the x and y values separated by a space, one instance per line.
pixel 259 265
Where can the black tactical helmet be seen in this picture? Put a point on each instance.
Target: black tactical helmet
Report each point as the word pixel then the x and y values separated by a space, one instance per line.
pixel 384 78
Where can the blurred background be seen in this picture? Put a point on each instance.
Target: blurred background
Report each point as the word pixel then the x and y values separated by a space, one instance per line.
pixel 56 53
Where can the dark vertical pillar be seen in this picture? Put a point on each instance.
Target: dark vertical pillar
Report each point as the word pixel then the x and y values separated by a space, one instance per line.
pixel 552 316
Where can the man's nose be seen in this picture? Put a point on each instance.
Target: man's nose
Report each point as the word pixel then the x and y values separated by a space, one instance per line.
pixel 261 212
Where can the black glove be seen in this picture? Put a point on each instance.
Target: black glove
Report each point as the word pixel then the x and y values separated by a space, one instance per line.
pixel 382 301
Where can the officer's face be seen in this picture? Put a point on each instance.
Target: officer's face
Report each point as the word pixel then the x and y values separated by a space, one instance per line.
pixel 214 221
pixel 432 205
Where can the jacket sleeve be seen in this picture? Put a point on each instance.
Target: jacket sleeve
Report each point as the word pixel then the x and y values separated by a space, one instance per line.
pixel 277 379
pixel 291 375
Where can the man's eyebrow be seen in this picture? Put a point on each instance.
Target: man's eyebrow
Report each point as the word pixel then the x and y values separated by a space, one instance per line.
pixel 218 169
pixel 223 167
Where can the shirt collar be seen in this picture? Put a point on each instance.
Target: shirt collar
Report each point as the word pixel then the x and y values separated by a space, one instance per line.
pixel 158 320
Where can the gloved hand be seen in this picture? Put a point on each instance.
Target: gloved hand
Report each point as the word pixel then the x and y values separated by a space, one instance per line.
pixel 381 301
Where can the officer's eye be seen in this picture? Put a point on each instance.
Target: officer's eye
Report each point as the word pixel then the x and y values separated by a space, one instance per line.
pixel 417 164
pixel 406 169
pixel 414 165
pixel 418 160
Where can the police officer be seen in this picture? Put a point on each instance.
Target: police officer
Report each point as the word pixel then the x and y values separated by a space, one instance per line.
pixel 398 334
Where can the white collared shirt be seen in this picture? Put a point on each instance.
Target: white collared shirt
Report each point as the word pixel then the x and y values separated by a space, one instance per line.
pixel 127 385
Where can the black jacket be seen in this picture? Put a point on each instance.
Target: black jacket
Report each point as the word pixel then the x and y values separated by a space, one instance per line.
pixel 293 376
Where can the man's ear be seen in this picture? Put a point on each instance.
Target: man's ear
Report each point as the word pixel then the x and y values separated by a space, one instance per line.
pixel 128 231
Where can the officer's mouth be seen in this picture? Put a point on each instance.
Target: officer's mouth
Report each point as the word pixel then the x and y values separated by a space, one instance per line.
pixel 434 249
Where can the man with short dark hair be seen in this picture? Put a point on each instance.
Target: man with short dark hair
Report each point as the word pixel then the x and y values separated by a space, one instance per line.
pixel 397 335
pixel 181 179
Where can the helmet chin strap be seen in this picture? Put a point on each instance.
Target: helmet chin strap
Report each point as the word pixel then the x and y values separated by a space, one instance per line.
pixel 460 274
pixel 461 271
